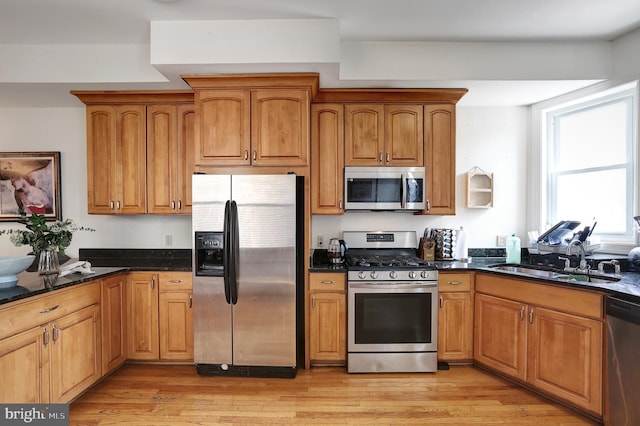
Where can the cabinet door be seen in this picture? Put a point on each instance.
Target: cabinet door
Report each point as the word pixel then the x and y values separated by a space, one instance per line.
pixel 101 158
pixel 142 316
pixel 24 363
pixel 162 158
pixel 223 123
pixel 186 157
pixel 176 325
pixel 131 160
pixel 455 327
pixel 565 357
pixel 501 335
pixel 75 353
pixel 404 139
pixel 113 323
pixel 327 159
pixel 364 135
pixel 280 127
pixel 328 328
pixel 440 159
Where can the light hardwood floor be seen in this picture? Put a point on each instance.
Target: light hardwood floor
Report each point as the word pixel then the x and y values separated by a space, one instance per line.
pixel 176 395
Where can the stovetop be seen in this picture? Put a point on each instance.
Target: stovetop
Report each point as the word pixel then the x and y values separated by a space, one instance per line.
pixel 385 261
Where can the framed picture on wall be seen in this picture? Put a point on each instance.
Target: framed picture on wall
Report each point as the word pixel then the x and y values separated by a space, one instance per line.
pixel 30 181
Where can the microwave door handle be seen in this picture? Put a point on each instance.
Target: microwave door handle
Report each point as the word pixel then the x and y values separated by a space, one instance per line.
pixel 403 183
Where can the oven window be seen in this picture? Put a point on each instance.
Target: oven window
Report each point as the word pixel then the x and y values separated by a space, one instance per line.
pixel 374 190
pixel 383 318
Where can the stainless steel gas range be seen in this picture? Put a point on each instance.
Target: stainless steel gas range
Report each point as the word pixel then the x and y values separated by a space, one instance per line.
pixel 392 294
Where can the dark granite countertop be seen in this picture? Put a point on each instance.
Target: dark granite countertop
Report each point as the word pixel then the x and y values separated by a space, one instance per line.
pixel 30 284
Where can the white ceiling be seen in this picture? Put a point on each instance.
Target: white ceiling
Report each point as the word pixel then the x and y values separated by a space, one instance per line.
pixel 127 22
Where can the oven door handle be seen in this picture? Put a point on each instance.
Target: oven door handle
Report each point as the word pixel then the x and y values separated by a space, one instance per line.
pixel 395 286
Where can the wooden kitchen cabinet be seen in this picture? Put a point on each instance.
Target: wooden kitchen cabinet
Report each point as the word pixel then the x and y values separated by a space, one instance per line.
pixel 383 135
pixel 114 322
pixel 327 319
pixel 170 158
pixel 327 159
pixel 440 159
pixel 455 317
pixel 53 353
pixel 116 159
pixel 253 120
pixel 160 318
pixel 547 336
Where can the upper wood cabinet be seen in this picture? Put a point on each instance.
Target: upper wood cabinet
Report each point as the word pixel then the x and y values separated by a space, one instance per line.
pixel 383 135
pixel 139 149
pixel 116 159
pixel 253 120
pixel 440 158
pixel 170 158
pixel 327 158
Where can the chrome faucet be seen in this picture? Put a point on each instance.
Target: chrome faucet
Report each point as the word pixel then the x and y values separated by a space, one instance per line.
pixel 583 267
pixel 614 263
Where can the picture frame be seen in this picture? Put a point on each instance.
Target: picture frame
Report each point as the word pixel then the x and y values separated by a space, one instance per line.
pixel 30 181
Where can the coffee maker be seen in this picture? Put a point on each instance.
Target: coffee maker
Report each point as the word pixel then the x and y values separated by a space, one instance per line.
pixel 336 250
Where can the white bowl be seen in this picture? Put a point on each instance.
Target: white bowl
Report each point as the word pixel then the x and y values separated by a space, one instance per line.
pixel 11 266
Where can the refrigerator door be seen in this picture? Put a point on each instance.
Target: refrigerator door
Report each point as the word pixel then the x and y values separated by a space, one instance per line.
pixel 264 317
pixel 212 321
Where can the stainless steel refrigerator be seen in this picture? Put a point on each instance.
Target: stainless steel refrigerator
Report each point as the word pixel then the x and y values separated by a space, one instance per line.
pixel 248 233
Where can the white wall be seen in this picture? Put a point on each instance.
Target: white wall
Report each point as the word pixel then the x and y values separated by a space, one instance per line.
pixel 494 139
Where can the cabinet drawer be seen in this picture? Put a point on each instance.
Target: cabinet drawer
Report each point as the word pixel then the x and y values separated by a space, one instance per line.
pixel 451 282
pixel 327 281
pixel 23 315
pixel 172 281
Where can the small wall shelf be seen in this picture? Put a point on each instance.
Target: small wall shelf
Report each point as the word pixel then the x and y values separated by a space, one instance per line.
pixel 479 189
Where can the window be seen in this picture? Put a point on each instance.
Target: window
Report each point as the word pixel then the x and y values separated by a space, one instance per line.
pixel 591 163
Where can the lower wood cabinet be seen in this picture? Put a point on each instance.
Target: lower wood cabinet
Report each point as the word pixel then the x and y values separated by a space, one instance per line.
pixel 114 319
pixel 455 317
pixel 159 316
pixel 53 353
pixel 327 319
pixel 549 337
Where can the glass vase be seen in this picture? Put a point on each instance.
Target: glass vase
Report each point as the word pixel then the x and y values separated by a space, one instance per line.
pixel 49 267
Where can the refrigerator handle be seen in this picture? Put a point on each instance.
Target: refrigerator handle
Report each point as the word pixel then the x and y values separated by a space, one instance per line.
pixel 226 258
pixel 235 253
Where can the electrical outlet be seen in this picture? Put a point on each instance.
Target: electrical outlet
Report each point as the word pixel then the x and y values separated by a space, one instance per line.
pixel 168 240
pixel 501 241
pixel 320 241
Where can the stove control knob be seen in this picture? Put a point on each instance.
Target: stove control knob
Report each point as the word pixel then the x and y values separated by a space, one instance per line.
pixel 374 275
pixel 424 274
pixel 393 275
pixel 362 275
pixel 412 275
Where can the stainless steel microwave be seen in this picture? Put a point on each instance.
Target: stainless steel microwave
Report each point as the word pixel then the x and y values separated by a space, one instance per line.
pixel 384 188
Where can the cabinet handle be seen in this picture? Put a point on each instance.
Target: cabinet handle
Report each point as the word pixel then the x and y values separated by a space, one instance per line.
pixel 428 205
pixel 255 154
pixel 388 158
pixel 118 205
pixel 111 204
pixel 56 333
pixel 153 283
pixel 521 313
pixel 327 282
pixel 176 281
pixel 441 301
pixel 173 205
pixel 53 308
pixel 313 302
pixel 454 282
pixel 380 157
pixel 340 204
pixel 190 301
pixel 531 316
pixel 246 154
pixel 45 336
pixel 179 204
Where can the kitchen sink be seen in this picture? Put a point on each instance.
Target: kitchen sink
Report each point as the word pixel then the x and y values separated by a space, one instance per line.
pixel 556 274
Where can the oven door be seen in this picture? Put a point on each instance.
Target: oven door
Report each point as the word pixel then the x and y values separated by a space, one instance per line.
pixel 392 317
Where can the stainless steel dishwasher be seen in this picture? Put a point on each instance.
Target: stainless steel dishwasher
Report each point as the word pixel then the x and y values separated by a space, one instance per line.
pixel 623 323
